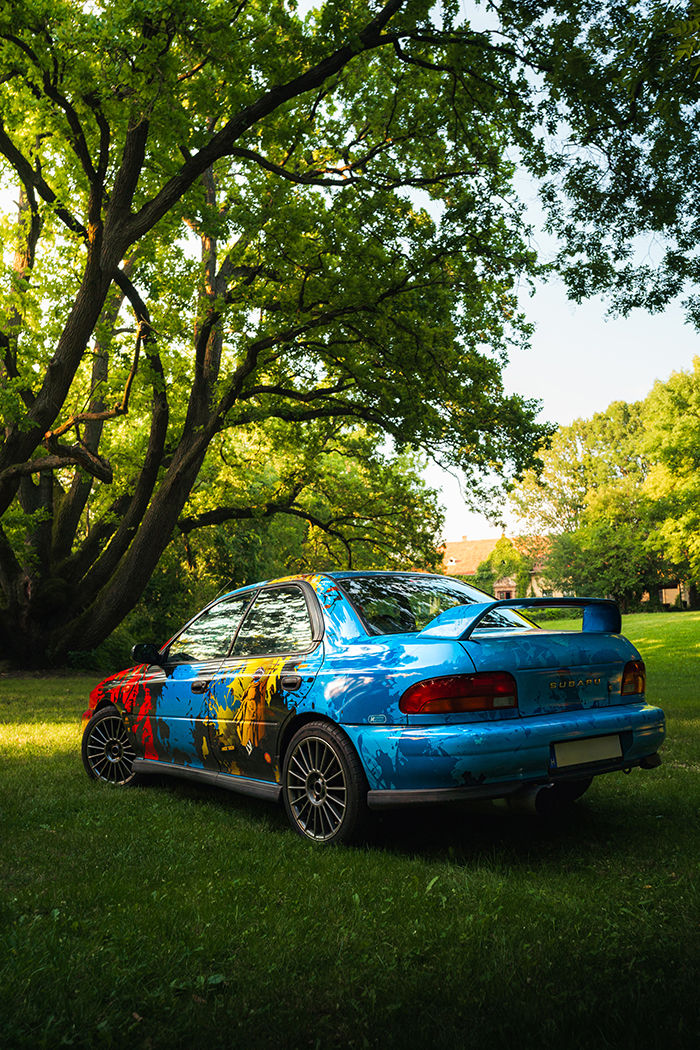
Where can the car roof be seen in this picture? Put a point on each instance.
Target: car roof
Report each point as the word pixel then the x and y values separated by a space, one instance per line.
pixel 340 574
pixel 345 573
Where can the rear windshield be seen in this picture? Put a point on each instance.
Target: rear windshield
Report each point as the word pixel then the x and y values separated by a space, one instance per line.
pixel 400 604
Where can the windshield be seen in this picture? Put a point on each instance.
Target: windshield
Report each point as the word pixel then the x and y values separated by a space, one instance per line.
pixel 399 604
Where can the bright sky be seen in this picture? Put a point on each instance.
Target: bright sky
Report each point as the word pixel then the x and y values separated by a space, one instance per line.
pixel 580 360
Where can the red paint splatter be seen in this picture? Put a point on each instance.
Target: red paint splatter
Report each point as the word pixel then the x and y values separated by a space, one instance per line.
pixel 131 688
pixel 145 730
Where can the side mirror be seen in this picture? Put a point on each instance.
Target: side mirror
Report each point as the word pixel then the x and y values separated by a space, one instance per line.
pixel 146 653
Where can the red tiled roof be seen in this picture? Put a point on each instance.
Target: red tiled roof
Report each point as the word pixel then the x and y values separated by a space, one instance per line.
pixel 463 557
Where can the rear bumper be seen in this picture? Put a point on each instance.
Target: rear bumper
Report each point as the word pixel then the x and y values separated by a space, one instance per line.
pixel 380 799
pixel 495 759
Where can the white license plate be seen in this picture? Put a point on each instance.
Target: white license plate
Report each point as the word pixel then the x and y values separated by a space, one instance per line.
pixel 592 749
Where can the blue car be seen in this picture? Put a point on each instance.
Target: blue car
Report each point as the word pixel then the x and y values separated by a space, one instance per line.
pixel 349 691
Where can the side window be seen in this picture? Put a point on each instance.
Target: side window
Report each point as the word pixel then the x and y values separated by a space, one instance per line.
pixel 209 636
pixel 279 622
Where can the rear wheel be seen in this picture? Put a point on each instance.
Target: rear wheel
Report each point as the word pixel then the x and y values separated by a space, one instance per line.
pixel 323 785
pixel 108 753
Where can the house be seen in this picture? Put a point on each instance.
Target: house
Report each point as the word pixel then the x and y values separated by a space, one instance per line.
pixel 463 558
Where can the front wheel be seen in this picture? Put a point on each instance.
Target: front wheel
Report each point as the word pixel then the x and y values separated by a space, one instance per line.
pixel 108 753
pixel 323 785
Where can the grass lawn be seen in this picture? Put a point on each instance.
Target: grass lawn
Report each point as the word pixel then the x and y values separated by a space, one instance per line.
pixel 177 916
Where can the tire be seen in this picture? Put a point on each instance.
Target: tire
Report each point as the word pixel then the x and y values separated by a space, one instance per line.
pixel 324 787
pixel 108 753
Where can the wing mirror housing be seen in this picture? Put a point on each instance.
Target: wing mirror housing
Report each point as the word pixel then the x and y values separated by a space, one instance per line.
pixel 146 653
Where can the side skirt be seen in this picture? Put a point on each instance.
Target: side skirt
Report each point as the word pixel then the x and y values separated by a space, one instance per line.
pixel 243 785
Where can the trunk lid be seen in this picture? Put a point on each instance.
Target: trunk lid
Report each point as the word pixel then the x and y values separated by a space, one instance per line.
pixel 556 671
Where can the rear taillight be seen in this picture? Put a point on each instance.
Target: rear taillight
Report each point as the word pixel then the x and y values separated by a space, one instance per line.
pixel 634 678
pixel 460 692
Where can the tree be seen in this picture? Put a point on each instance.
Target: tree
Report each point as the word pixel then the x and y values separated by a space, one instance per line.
pixel 608 555
pixel 505 561
pixel 594 500
pixel 353 507
pixel 672 437
pixel 687 33
pixel 581 462
pixel 619 153
pixel 345 180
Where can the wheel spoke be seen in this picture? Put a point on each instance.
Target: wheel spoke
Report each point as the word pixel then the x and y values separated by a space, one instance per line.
pixel 303 807
pixel 109 751
pixel 323 821
pixel 336 808
pixel 304 759
pixel 299 798
pixel 304 771
pixel 99 733
pixel 328 826
pixel 328 764
pixel 316 788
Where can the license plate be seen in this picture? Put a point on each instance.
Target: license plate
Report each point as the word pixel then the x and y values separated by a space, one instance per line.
pixel 592 749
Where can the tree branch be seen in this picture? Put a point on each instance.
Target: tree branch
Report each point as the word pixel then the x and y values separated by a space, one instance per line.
pixel 63 456
pixel 220 145
pixel 120 409
pixel 98 573
pixel 32 178
pixel 312 178
pixel 296 395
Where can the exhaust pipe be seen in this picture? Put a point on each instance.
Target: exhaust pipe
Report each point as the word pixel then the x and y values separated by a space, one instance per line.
pixel 537 799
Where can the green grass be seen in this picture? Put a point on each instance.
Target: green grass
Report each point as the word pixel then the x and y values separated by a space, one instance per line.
pixel 176 916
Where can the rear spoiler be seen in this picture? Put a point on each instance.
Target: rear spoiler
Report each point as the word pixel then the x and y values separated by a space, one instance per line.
pixel 600 615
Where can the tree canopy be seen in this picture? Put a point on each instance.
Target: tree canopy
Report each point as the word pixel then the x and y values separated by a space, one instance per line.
pixel 619 495
pixel 581 464
pixel 672 424
pixel 507 560
pixel 229 216
pixel 618 155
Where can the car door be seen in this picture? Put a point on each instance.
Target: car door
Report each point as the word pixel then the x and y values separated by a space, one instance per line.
pixel 275 657
pixel 179 715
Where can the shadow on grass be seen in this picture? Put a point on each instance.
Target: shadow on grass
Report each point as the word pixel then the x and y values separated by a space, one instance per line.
pixel 463 833
pixel 621 820
pixel 467 834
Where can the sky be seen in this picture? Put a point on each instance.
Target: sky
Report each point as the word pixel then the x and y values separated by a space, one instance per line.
pixel 580 360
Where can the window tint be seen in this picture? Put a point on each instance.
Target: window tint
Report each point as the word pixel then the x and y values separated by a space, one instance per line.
pixel 209 636
pixel 279 622
pixel 402 604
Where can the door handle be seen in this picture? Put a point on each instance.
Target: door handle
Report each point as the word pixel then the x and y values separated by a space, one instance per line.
pixel 291 681
pixel 200 685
